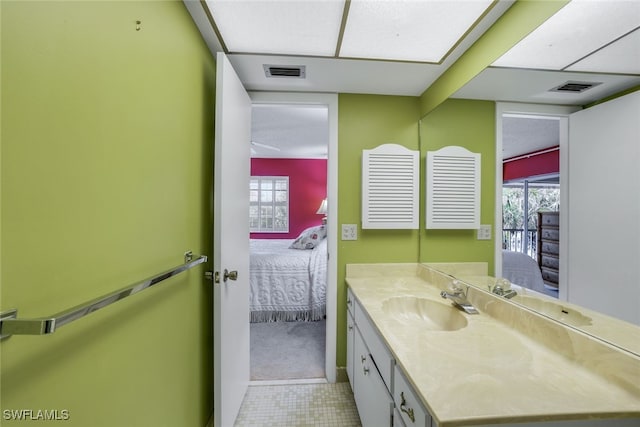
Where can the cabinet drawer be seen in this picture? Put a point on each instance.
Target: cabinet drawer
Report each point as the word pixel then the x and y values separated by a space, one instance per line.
pixel 350 301
pixel 397 419
pixel 550 275
pixel 407 403
pixel 550 261
pixel 351 330
pixel 550 248
pixel 550 234
pixel 374 403
pixel 377 349
pixel 550 218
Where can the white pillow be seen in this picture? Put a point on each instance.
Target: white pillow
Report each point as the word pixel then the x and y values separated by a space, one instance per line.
pixel 309 238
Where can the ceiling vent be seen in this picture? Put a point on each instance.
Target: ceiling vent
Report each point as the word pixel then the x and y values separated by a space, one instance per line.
pixel 292 71
pixel 574 87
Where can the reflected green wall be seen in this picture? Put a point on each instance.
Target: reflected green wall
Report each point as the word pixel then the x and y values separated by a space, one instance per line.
pixel 106 180
pixel 470 124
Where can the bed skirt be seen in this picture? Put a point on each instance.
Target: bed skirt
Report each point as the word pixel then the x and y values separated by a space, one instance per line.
pixel 289 316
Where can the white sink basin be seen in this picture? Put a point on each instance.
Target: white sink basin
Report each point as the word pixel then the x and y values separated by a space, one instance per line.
pixel 431 315
pixel 554 310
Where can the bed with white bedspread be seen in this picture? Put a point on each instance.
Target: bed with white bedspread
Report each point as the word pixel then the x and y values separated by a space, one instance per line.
pixel 287 284
pixel 521 269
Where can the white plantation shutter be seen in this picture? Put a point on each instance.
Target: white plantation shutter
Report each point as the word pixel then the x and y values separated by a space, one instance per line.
pixel 453 188
pixel 390 185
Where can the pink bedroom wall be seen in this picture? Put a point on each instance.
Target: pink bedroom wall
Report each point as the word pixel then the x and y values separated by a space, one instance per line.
pixel 307 188
pixel 535 164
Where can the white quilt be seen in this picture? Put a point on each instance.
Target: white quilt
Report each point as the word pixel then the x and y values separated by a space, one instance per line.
pixel 522 270
pixel 287 284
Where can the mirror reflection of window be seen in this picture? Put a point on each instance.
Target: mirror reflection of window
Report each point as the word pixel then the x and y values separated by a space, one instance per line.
pixel 540 196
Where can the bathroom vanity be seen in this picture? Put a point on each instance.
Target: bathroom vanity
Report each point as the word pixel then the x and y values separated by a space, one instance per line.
pixel 413 359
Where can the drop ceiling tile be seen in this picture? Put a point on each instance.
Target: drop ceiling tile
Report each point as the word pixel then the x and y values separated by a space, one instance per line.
pixel 408 30
pixel 279 27
pixel 577 30
pixel 622 56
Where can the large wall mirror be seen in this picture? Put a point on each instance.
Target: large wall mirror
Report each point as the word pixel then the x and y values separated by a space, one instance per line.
pixel 599 232
pixel 599 278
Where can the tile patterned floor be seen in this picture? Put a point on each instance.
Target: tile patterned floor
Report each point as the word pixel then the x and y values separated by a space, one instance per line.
pixel 298 405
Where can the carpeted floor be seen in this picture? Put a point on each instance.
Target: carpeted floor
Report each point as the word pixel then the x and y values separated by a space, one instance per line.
pixel 287 350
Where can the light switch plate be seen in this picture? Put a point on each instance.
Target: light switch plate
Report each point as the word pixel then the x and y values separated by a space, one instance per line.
pixel 349 232
pixel 484 232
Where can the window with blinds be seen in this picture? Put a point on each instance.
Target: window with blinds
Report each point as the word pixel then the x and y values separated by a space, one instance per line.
pixel 390 185
pixel 453 189
pixel 269 204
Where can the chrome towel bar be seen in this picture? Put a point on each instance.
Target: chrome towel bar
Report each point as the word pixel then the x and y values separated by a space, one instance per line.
pixel 11 325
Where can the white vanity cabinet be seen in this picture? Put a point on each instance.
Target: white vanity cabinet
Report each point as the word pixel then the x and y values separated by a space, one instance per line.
pixel 351 331
pixel 350 302
pixel 408 405
pixel 369 367
pixel 383 396
pixel 373 400
pixel 377 348
pixel 402 374
pixel 397 419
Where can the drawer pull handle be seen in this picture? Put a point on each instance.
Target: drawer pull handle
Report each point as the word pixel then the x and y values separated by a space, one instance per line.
pixel 405 409
pixel 363 358
pixel 348 301
pixel 365 370
pixel 350 327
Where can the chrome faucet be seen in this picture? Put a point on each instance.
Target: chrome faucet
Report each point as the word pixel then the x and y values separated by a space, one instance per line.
pixel 509 293
pixel 503 288
pixel 458 298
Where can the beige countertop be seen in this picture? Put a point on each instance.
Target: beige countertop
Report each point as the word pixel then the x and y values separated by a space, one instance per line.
pixel 507 365
pixel 615 331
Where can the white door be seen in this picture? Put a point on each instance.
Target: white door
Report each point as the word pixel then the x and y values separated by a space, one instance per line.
pixel 231 244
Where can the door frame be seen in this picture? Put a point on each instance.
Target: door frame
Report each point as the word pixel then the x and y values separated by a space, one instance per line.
pixel 560 112
pixel 331 101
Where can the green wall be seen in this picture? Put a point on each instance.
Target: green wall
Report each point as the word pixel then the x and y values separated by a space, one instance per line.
pixel 364 122
pixel 470 124
pixel 106 180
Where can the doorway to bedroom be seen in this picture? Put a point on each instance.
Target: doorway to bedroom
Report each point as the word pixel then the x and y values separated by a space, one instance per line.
pixel 530 190
pixel 288 241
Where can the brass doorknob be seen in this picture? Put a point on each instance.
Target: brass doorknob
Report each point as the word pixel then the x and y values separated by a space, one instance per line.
pixel 233 275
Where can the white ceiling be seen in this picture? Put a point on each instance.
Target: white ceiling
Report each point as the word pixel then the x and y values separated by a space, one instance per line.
pixel 526 135
pixel 424 31
pixel 396 30
pixel 533 86
pixel 574 33
pixel 337 75
pixel 299 131
pixel 587 41
pixel 329 73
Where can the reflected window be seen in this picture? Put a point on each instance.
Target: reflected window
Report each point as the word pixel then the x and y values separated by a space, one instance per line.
pixel 520 219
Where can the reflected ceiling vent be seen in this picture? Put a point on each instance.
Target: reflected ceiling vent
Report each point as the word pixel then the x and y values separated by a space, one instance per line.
pixel 292 71
pixel 574 87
